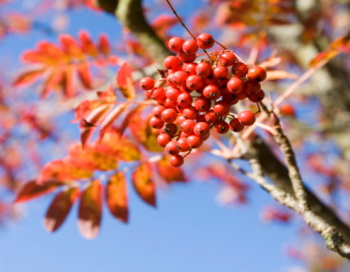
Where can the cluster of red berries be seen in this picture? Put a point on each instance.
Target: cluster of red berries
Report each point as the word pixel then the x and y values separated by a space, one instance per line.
pixel 195 97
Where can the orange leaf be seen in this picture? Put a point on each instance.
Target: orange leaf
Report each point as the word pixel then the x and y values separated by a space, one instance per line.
pixel 279 74
pixel 70 46
pixel 169 173
pixel 83 70
pixel 143 184
pixel 63 170
pixel 117 146
pixel 60 208
pixel 90 210
pixel 111 117
pixel 28 77
pixel 103 45
pixel 68 80
pixel 117 197
pixel 125 81
pixel 33 190
pixel 326 55
pixel 87 45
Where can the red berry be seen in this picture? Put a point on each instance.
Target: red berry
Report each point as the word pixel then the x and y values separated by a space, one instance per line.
pixel 211 117
pixel 201 129
pixel 187 58
pixel 257 73
pixel 175 44
pixel 170 103
pixel 236 125
pixel 287 109
pixel 221 108
pixel 227 58
pixel 176 160
pixel 239 69
pixel 187 126
pixel 194 141
pixel 163 139
pixel 235 85
pixel 202 104
pixel 156 122
pixel 251 87
pixel 180 119
pixel 184 100
pixel 211 91
pixel 189 68
pixel 171 148
pixel 147 83
pixel 190 47
pixel 172 63
pixel 190 112
pixel 194 82
pixel 247 118
pixel 179 78
pixel 220 72
pixel 205 41
pixel 157 110
pixel 170 129
pixel 257 97
pixel 182 144
pixel 159 95
pixel 172 93
pixel 230 98
pixel 203 69
pixel 221 127
pixel 148 94
pixel 169 115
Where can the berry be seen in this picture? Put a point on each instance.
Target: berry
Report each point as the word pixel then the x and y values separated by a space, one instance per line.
pixel 202 104
pixel 251 87
pixel 239 69
pixel 205 41
pixel 147 83
pixel 287 110
pixel 235 85
pixel 172 93
pixel 182 144
pixel 236 125
pixel 247 118
pixel 220 72
pixel 227 58
pixel 157 110
pixel 194 141
pixel 221 108
pixel 190 47
pixel 179 78
pixel 172 63
pixel 257 73
pixel 163 139
pixel 171 148
pixel 159 95
pixel 176 160
pixel 169 115
pixel 187 58
pixel 187 126
pixel 211 91
pixel 170 129
pixel 170 103
pixel 221 127
pixel 194 82
pixel 190 112
pixel 201 129
pixel 184 100
pixel 156 122
pixel 257 97
pixel 189 68
pixel 175 44
pixel 203 69
pixel 211 117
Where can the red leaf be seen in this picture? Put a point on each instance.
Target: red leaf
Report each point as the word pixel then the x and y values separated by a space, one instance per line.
pixel 103 45
pixel 70 46
pixel 60 208
pixel 125 81
pixel 117 197
pixel 33 190
pixel 111 117
pixel 87 45
pixel 169 173
pixel 68 80
pixel 326 55
pixel 28 77
pixel 90 210
pixel 83 70
pixel 143 184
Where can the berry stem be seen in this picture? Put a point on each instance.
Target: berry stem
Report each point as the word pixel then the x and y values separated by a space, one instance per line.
pixel 183 24
pixel 220 44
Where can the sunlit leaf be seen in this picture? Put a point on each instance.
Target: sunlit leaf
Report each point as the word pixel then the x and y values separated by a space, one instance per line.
pixel 125 81
pixel 90 210
pixel 111 117
pixel 323 56
pixel 117 196
pixel 142 180
pixel 60 208
pixel 28 77
pixel 279 74
pixel 33 190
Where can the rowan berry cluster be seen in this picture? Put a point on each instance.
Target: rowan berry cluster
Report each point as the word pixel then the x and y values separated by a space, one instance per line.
pixel 195 97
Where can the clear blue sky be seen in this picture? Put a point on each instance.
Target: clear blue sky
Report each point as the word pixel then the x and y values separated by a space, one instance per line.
pixel 187 232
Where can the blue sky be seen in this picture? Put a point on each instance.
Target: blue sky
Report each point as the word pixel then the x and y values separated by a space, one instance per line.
pixel 187 232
